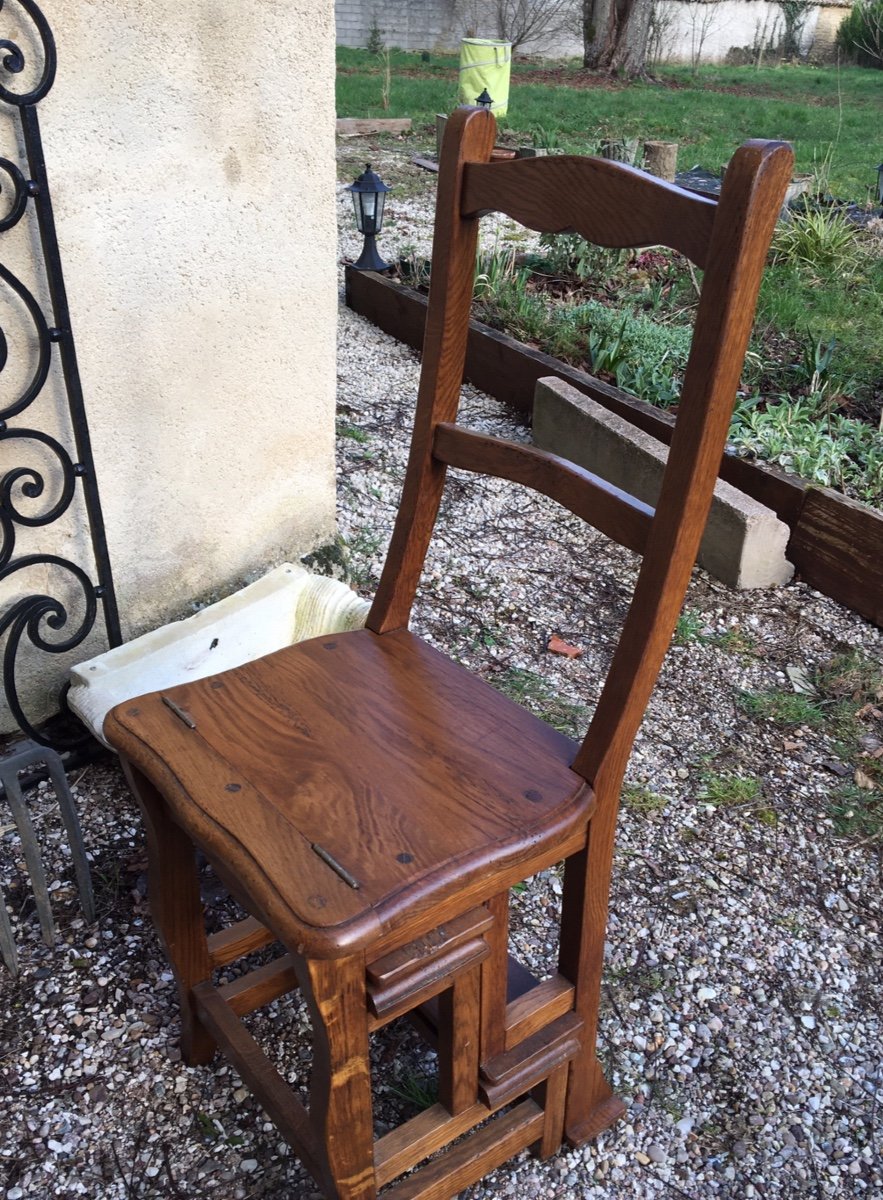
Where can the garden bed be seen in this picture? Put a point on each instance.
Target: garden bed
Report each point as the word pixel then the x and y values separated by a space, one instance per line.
pixel 836 543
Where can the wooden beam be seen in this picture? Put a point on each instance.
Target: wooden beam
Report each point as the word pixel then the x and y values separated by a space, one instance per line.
pixel 359 126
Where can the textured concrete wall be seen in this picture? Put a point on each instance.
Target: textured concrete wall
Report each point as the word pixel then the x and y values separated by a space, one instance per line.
pixel 191 160
pixel 708 28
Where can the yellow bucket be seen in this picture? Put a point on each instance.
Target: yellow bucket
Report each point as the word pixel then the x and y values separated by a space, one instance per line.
pixel 485 63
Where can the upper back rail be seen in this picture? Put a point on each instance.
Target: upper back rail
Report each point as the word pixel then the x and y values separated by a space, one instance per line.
pixel 607 203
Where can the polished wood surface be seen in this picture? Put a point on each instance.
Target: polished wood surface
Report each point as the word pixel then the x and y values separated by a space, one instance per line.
pixel 368 729
pixel 370 802
pixel 608 203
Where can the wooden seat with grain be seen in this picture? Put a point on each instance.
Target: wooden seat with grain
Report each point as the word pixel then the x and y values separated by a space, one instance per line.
pixel 371 803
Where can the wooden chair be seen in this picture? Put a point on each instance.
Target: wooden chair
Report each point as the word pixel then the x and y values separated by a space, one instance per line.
pixel 371 803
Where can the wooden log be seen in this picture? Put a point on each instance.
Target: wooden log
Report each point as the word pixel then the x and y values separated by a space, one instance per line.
pixel 359 126
pixel 661 158
pixel 837 545
pixel 620 149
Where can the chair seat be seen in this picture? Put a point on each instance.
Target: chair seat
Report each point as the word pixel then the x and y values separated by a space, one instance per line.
pixel 354 782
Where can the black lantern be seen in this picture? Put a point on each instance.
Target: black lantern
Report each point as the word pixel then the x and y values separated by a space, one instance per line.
pixel 484 100
pixel 880 185
pixel 369 193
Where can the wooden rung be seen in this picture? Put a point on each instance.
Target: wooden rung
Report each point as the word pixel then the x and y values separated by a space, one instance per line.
pixel 260 987
pixel 614 512
pixel 516 1071
pixel 409 1144
pixel 407 958
pixel 282 1106
pixel 431 978
pixel 472 1159
pixel 238 940
pixel 539 1006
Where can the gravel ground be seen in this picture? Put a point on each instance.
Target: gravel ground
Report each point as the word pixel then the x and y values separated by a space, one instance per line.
pixel 744 989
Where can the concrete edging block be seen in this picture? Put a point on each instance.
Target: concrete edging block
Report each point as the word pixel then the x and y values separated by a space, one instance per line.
pixel 744 541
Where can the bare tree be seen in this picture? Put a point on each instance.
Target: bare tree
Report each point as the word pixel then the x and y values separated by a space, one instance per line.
pixel 534 21
pixel 616 34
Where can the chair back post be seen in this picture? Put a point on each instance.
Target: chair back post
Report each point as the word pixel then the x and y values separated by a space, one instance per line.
pixel 469 137
pixel 750 201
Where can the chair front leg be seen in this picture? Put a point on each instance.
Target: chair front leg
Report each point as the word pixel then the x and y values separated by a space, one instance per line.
pixel 173 888
pixel 340 1089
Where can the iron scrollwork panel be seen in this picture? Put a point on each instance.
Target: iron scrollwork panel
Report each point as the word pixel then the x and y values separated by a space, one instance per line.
pixel 37 495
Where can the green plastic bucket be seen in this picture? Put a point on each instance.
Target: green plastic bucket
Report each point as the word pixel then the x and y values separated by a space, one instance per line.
pixel 485 63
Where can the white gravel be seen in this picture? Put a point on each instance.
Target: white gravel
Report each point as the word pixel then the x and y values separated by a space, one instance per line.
pixel 744 984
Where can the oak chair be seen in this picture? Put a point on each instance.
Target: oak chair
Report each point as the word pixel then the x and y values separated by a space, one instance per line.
pixel 371 803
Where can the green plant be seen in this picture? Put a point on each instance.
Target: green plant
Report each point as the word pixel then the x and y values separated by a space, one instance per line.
pixel 643 801
pixel 345 429
pixel 375 44
pixel 571 254
pixel 726 789
pixel 386 78
pixel 690 628
pixel 420 1091
pixel 821 240
pixel 537 694
pixel 494 271
pixel 861 32
pixel 783 708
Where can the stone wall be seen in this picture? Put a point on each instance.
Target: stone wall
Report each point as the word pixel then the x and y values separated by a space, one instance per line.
pixel 190 150
pixel 709 28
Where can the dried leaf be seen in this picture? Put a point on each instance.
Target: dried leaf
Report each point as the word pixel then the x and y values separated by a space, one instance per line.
pixel 863 780
pixel 558 646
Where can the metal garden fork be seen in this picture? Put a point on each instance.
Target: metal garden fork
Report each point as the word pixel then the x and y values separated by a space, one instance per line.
pixel 10 767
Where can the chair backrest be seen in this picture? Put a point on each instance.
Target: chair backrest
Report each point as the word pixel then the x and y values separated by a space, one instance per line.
pixel 611 205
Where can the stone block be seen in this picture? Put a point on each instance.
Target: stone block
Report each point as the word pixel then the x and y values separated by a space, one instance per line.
pixel 744 541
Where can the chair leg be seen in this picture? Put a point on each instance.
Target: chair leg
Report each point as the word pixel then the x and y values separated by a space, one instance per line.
pixel 177 910
pixel 591 1103
pixel 340 1089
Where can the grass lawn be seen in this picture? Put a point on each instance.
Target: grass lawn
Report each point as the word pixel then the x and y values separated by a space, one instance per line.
pixel 833 118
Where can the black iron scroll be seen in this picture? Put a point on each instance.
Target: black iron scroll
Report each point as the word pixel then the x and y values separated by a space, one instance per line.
pixel 32 620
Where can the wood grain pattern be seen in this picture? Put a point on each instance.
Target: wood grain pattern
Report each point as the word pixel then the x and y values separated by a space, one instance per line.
pixel 837 546
pixel 238 940
pixel 537 1008
pixel 616 513
pixel 456 1169
pixel 408 958
pixel 437 812
pixel 608 203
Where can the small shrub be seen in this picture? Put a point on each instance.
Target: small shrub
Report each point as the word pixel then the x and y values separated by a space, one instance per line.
pixel 822 240
pixel 375 44
pixel 861 33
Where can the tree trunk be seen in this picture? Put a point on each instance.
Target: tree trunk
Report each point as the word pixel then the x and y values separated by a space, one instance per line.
pixel 615 35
